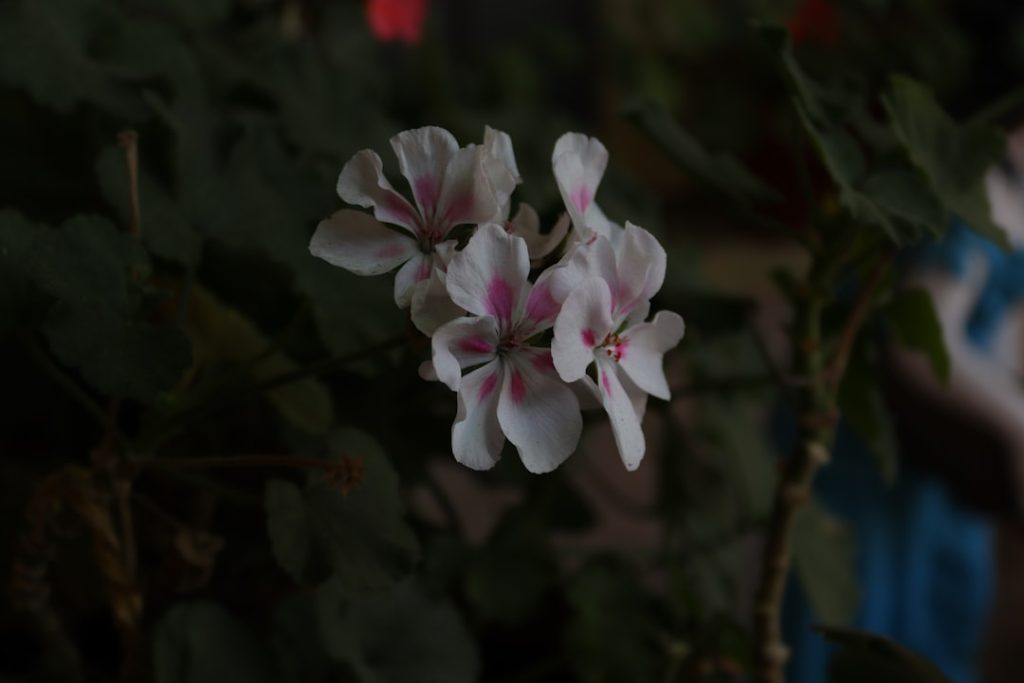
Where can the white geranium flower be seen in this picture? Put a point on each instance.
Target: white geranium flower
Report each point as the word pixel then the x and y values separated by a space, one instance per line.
pixel 514 391
pixel 601 322
pixel 579 163
pixel 451 186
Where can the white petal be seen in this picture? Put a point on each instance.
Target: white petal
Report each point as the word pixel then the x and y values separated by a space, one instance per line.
pixel 499 147
pixel 583 323
pixel 644 347
pixel 462 343
pixel 526 224
pixel 587 393
pixel 641 267
pixel 431 305
pixel 468 194
pixel 423 157
pixel 629 436
pixel 488 277
pixel 361 244
pixel 598 222
pixel 476 434
pixel 579 163
pixel 545 299
pixel 538 412
pixel 362 183
pixel 415 270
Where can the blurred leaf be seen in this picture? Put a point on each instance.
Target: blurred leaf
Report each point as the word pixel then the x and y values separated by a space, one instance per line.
pixel 508 578
pixel 904 194
pixel 913 323
pixel 201 643
pixel 824 555
pixel 402 636
pixel 953 158
pixel 612 636
pixel 720 171
pixel 867 657
pixel 360 538
pixel 863 408
pixel 222 335
pixel 88 271
pixel 166 232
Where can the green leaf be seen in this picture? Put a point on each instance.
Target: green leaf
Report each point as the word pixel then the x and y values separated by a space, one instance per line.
pixel 223 336
pixel 824 555
pixel 953 158
pixel 402 636
pixel 360 537
pixel 720 171
pixel 863 409
pixel 867 657
pixel 612 636
pixel 913 323
pixel 166 232
pixel 85 277
pixel 201 643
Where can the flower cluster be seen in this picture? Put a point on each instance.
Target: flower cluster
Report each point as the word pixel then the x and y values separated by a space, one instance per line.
pixel 524 357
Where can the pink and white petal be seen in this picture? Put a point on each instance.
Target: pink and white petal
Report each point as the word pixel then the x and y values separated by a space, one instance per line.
pixel 488 277
pixel 362 183
pixel 599 223
pixel 587 393
pixel 545 299
pixel 595 258
pixel 643 350
pixel 462 343
pixel 476 434
pixel 416 269
pixel 431 306
pixel 423 157
pixel 498 145
pixel 637 396
pixel 538 412
pixel 361 244
pixel 469 193
pixel 443 252
pixel 579 163
pixel 426 371
pixel 641 266
pixel 582 325
pixel 629 436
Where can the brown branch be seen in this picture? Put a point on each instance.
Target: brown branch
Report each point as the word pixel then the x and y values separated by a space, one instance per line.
pixel 128 140
pixel 837 368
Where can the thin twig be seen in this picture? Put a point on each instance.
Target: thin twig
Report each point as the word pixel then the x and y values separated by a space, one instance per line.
pixel 128 140
pixel 837 368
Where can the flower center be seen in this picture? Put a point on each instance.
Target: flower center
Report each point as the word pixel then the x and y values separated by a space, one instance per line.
pixel 615 346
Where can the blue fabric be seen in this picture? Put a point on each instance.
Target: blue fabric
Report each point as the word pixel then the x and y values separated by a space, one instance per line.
pixel 925 564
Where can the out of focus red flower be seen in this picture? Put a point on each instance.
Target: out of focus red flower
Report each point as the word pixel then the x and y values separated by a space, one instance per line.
pixel 815 20
pixel 397 20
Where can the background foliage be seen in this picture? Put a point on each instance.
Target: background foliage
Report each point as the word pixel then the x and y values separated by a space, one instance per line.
pixel 211 440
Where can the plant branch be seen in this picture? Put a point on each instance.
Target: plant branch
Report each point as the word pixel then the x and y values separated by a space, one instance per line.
pixel 853 324
pixel 128 140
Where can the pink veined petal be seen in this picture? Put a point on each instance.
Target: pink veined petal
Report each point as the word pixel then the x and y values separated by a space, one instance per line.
pixel 360 244
pixel 423 157
pixel 463 343
pixel 582 325
pixel 646 345
pixel 467 192
pixel 415 270
pixel 526 224
pixel 641 267
pixel 538 412
pixel 629 436
pixel 477 439
pixel 488 277
pixel 431 306
pixel 362 183
pixel 579 163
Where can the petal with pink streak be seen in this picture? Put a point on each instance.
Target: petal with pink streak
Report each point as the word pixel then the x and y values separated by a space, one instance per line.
pixel 583 323
pixel 361 244
pixel 423 157
pixel 470 193
pixel 462 343
pixel 416 270
pixel 538 412
pixel 488 277
pixel 579 163
pixel 641 262
pixel 362 183
pixel 477 439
